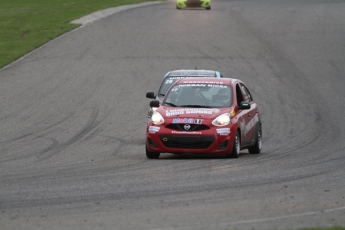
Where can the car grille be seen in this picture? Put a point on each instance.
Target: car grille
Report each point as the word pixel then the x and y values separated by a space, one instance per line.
pixel 193 127
pixel 187 142
pixel 193 3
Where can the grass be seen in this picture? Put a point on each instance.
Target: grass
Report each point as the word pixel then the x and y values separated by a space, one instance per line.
pixel 27 24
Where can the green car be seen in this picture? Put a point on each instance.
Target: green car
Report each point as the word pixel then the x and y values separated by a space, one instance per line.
pixel 193 3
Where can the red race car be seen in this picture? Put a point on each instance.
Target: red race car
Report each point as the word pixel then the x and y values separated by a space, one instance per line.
pixel 211 116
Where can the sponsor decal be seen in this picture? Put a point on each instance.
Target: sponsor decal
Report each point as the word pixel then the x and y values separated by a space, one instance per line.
pixel 246 127
pixel 175 112
pixel 153 129
pixel 197 121
pixel 186 74
pixel 176 120
pixel 223 131
pixel 217 85
pixel 203 82
pixel 192 85
pixel 252 122
pixel 176 77
pixel 243 127
pixel 186 121
pixel 184 132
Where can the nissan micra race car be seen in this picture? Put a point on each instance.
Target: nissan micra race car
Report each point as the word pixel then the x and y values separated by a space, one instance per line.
pixel 211 116
pixel 193 3
pixel 172 76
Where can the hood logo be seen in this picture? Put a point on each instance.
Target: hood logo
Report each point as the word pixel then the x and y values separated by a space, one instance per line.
pixel 186 126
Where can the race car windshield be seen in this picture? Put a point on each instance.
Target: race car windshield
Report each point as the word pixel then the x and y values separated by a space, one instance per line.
pixel 199 95
pixel 168 81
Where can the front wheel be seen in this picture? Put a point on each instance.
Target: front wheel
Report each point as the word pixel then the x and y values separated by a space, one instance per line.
pixel 256 149
pixel 152 155
pixel 236 146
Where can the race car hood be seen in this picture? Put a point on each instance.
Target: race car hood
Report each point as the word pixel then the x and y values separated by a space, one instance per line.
pixel 187 112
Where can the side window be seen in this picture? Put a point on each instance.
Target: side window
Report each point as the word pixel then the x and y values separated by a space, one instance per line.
pixel 247 96
pixel 239 95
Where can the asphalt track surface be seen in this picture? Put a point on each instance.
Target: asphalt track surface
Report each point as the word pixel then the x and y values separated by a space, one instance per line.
pixel 73 119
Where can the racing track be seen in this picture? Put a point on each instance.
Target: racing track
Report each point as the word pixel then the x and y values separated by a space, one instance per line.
pixel 73 116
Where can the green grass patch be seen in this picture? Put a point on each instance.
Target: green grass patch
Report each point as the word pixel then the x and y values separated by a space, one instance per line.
pixel 27 24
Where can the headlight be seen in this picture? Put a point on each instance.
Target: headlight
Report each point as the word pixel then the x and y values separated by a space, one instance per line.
pixel 222 120
pixel 157 118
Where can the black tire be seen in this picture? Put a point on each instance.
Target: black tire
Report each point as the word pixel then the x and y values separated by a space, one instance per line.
pixel 235 152
pixel 208 8
pixel 256 149
pixel 152 155
pixel 178 7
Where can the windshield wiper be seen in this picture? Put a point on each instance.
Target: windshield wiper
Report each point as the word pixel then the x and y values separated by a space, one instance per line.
pixel 171 104
pixel 196 106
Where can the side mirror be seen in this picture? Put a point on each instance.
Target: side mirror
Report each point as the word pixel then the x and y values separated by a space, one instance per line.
pixel 150 95
pixel 154 103
pixel 244 105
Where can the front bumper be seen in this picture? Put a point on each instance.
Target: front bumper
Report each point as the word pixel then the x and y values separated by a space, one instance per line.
pixel 214 141
pixel 193 3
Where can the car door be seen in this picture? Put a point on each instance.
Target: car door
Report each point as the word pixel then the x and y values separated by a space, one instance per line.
pixel 242 115
pixel 251 116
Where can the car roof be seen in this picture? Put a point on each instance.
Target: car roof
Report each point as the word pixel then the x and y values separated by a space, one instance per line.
pixel 209 80
pixel 193 73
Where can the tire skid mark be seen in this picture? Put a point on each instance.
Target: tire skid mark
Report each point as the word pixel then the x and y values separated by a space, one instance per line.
pixel 90 125
pixel 79 171
pixel 15 145
pixel 97 166
pixel 145 192
pixel 24 148
pixel 23 143
pixel 122 143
